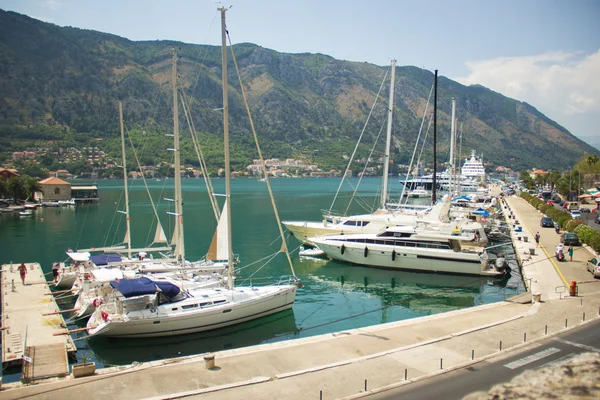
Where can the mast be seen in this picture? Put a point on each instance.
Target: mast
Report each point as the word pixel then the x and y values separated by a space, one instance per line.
pixel 434 184
pixel 388 143
pixel 124 161
pixel 178 233
pixel 226 146
pixel 452 136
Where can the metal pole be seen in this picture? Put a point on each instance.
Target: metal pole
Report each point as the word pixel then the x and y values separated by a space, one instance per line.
pixel 433 189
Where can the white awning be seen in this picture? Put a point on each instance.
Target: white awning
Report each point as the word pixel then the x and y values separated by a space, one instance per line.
pixel 79 256
pixel 107 274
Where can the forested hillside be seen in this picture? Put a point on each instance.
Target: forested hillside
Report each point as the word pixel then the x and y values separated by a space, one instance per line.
pixel 60 87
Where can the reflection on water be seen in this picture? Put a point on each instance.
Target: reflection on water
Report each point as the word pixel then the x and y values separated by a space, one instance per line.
pixel 125 351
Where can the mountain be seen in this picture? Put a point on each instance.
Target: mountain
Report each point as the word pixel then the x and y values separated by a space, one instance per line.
pixel 60 86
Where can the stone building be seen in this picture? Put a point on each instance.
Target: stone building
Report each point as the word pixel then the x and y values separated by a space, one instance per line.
pixel 55 189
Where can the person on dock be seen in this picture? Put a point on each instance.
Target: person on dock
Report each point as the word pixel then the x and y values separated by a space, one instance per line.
pixel 55 271
pixel 537 239
pixel 571 253
pixel 23 272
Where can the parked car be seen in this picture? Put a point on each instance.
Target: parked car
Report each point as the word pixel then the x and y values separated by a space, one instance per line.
pixel 597 218
pixel 576 214
pixel 547 222
pixel 593 266
pixel 550 202
pixel 584 210
pixel 570 239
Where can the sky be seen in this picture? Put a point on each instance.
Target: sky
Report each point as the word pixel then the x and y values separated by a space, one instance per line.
pixel 543 52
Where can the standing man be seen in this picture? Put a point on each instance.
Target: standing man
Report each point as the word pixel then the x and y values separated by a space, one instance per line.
pixel 23 272
pixel 571 253
pixel 537 239
pixel 55 271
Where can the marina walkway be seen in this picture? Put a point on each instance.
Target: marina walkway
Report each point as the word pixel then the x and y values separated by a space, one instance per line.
pixel 28 330
pixel 353 363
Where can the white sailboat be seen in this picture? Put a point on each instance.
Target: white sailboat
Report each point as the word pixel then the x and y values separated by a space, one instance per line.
pixel 148 308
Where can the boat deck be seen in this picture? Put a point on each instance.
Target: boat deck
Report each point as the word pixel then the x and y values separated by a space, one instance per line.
pixel 29 324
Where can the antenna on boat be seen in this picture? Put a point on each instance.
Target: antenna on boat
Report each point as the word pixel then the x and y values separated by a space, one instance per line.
pixel 433 189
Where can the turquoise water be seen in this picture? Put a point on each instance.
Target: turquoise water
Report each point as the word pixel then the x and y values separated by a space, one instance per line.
pixel 335 296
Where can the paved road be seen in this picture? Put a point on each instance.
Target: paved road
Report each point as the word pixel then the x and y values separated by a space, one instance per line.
pixel 482 376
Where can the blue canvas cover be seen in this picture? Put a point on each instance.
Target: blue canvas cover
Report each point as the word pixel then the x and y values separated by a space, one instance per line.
pixel 482 212
pixel 168 289
pixel 144 285
pixel 104 259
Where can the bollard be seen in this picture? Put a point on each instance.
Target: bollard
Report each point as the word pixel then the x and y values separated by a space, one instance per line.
pixel 566 323
pixel 13 285
pixel 441 363
pixel 209 360
pixel 501 345
pixel 365 385
pixel 472 354
pixel 546 331
pixel 573 288
pixel 584 317
pixel 524 337
pixel 321 395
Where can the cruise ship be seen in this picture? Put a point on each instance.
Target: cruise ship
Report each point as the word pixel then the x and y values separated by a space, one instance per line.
pixel 473 168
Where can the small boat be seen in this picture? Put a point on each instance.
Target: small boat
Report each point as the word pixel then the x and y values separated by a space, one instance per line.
pixel 310 252
pixel 419 192
pixel 25 213
pixel 67 202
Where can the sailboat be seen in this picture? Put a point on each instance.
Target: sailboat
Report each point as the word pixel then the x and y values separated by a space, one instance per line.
pixel 150 308
pixel 90 279
pixel 304 231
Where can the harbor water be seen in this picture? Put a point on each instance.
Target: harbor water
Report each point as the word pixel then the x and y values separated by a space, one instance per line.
pixel 335 296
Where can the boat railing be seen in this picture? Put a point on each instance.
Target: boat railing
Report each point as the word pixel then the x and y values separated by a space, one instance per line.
pixel 268 281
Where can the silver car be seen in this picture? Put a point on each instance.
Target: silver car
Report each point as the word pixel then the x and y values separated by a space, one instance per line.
pixel 593 266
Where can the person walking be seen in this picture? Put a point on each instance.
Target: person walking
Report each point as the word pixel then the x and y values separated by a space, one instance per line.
pixel 571 253
pixel 537 239
pixel 23 272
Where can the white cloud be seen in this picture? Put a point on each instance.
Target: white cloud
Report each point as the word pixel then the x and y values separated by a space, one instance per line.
pixel 560 84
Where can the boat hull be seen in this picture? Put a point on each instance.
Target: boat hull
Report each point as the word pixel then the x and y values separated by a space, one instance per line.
pixel 216 317
pixel 413 259
pixel 66 280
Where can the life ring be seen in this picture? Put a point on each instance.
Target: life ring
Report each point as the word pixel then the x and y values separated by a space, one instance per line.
pixel 104 315
pixel 393 255
pixel 343 249
pixel 97 302
pixel 366 251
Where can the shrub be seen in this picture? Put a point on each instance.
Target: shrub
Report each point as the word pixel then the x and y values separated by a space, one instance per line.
pixel 594 242
pixel 585 233
pixel 572 224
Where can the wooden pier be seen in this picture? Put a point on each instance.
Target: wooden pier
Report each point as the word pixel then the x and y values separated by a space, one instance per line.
pixel 29 321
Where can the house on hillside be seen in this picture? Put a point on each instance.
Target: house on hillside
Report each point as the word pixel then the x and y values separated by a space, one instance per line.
pixel 55 189
pixel 6 173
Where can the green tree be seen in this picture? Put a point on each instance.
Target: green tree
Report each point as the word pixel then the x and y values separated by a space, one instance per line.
pixel 32 186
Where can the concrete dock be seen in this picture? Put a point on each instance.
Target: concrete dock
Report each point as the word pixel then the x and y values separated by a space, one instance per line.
pixel 341 364
pixel 29 323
